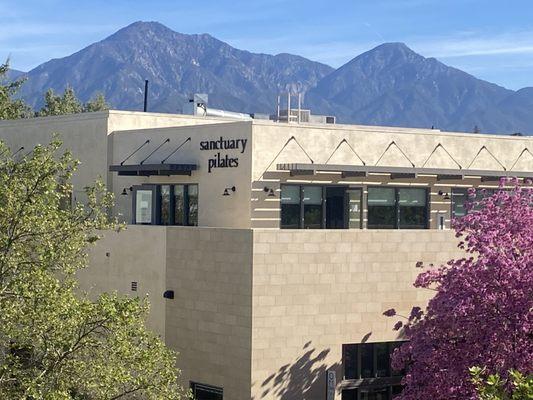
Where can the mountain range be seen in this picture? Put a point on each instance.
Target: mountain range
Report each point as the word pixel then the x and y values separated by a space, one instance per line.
pixel 388 85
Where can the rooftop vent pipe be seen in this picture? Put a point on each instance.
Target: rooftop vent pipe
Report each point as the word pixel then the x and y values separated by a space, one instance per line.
pixel 145 95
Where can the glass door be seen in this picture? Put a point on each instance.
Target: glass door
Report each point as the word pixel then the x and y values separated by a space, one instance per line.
pixel 354 209
pixel 335 207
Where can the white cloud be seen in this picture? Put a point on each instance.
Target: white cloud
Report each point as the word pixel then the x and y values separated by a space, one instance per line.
pixel 474 44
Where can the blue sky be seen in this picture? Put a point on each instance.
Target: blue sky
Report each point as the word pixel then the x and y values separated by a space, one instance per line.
pixel 491 39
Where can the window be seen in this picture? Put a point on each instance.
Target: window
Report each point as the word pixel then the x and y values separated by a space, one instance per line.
pixel 290 207
pixel 166 204
pixel 412 208
pixel 192 204
pixel 460 198
pixel 143 206
pixel 368 360
pixel 354 208
pixel 381 208
pixel 316 207
pixel 179 204
pixel 206 392
pixel 367 371
pixel 393 208
pixel 312 205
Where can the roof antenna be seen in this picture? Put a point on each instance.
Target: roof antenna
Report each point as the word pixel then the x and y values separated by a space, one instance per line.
pixel 145 95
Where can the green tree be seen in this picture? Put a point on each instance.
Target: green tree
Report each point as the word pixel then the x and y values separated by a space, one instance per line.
pixel 11 108
pixel 97 103
pixel 55 343
pixel 493 387
pixel 54 104
pixel 68 103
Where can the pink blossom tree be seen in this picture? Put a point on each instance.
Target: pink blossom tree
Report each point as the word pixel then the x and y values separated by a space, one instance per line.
pixel 482 312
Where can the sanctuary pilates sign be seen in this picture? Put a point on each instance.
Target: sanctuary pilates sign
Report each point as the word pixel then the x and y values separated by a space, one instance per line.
pixel 220 160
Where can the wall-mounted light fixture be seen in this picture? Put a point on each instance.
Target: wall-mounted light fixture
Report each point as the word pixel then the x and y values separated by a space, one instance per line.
pixel 125 191
pixel 446 195
pixel 270 191
pixel 227 191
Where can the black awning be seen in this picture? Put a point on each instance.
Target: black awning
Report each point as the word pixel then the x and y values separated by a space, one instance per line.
pixel 397 172
pixel 153 169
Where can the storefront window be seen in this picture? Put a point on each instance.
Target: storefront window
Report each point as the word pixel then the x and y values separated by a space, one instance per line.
pixel 382 208
pixel 179 204
pixel 312 203
pixel 192 197
pixel 367 371
pixel 316 207
pixel 367 360
pixel 459 199
pixel 392 208
pixel 290 207
pixel 166 216
pixel 413 210
pixel 174 205
pixel 143 206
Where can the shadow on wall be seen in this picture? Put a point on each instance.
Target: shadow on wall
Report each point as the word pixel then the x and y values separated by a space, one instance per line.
pixel 304 379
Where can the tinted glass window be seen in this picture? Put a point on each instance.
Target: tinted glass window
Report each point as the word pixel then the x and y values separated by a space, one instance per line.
pixel 350 394
pixel 459 199
pixel 206 392
pixel 382 359
pixel 413 210
pixel 179 204
pixel 375 394
pixel 290 207
pixel 192 196
pixel 381 208
pixel 312 201
pixel 143 207
pixel 367 360
pixel 165 205
pixel 350 361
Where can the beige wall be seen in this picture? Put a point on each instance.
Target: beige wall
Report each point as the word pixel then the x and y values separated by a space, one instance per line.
pixel 83 134
pixel 321 143
pixel 264 313
pixel 124 257
pixel 215 210
pixel 210 271
pixel 316 290
pixel 209 320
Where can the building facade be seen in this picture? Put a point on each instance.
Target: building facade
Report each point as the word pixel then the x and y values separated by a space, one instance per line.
pixel 269 251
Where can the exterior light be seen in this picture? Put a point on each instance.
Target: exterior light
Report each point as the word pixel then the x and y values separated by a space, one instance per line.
pixel 270 191
pixel 446 195
pixel 226 191
pixel 125 191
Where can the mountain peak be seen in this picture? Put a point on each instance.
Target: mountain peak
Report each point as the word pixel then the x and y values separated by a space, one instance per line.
pixel 393 52
pixel 142 28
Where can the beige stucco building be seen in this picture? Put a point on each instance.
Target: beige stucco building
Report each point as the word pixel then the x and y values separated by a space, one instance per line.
pixel 277 246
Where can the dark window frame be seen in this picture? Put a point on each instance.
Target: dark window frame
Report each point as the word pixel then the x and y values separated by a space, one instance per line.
pixel 352 386
pixel 194 386
pixel 157 201
pixel 397 206
pixel 323 224
pixel 358 346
